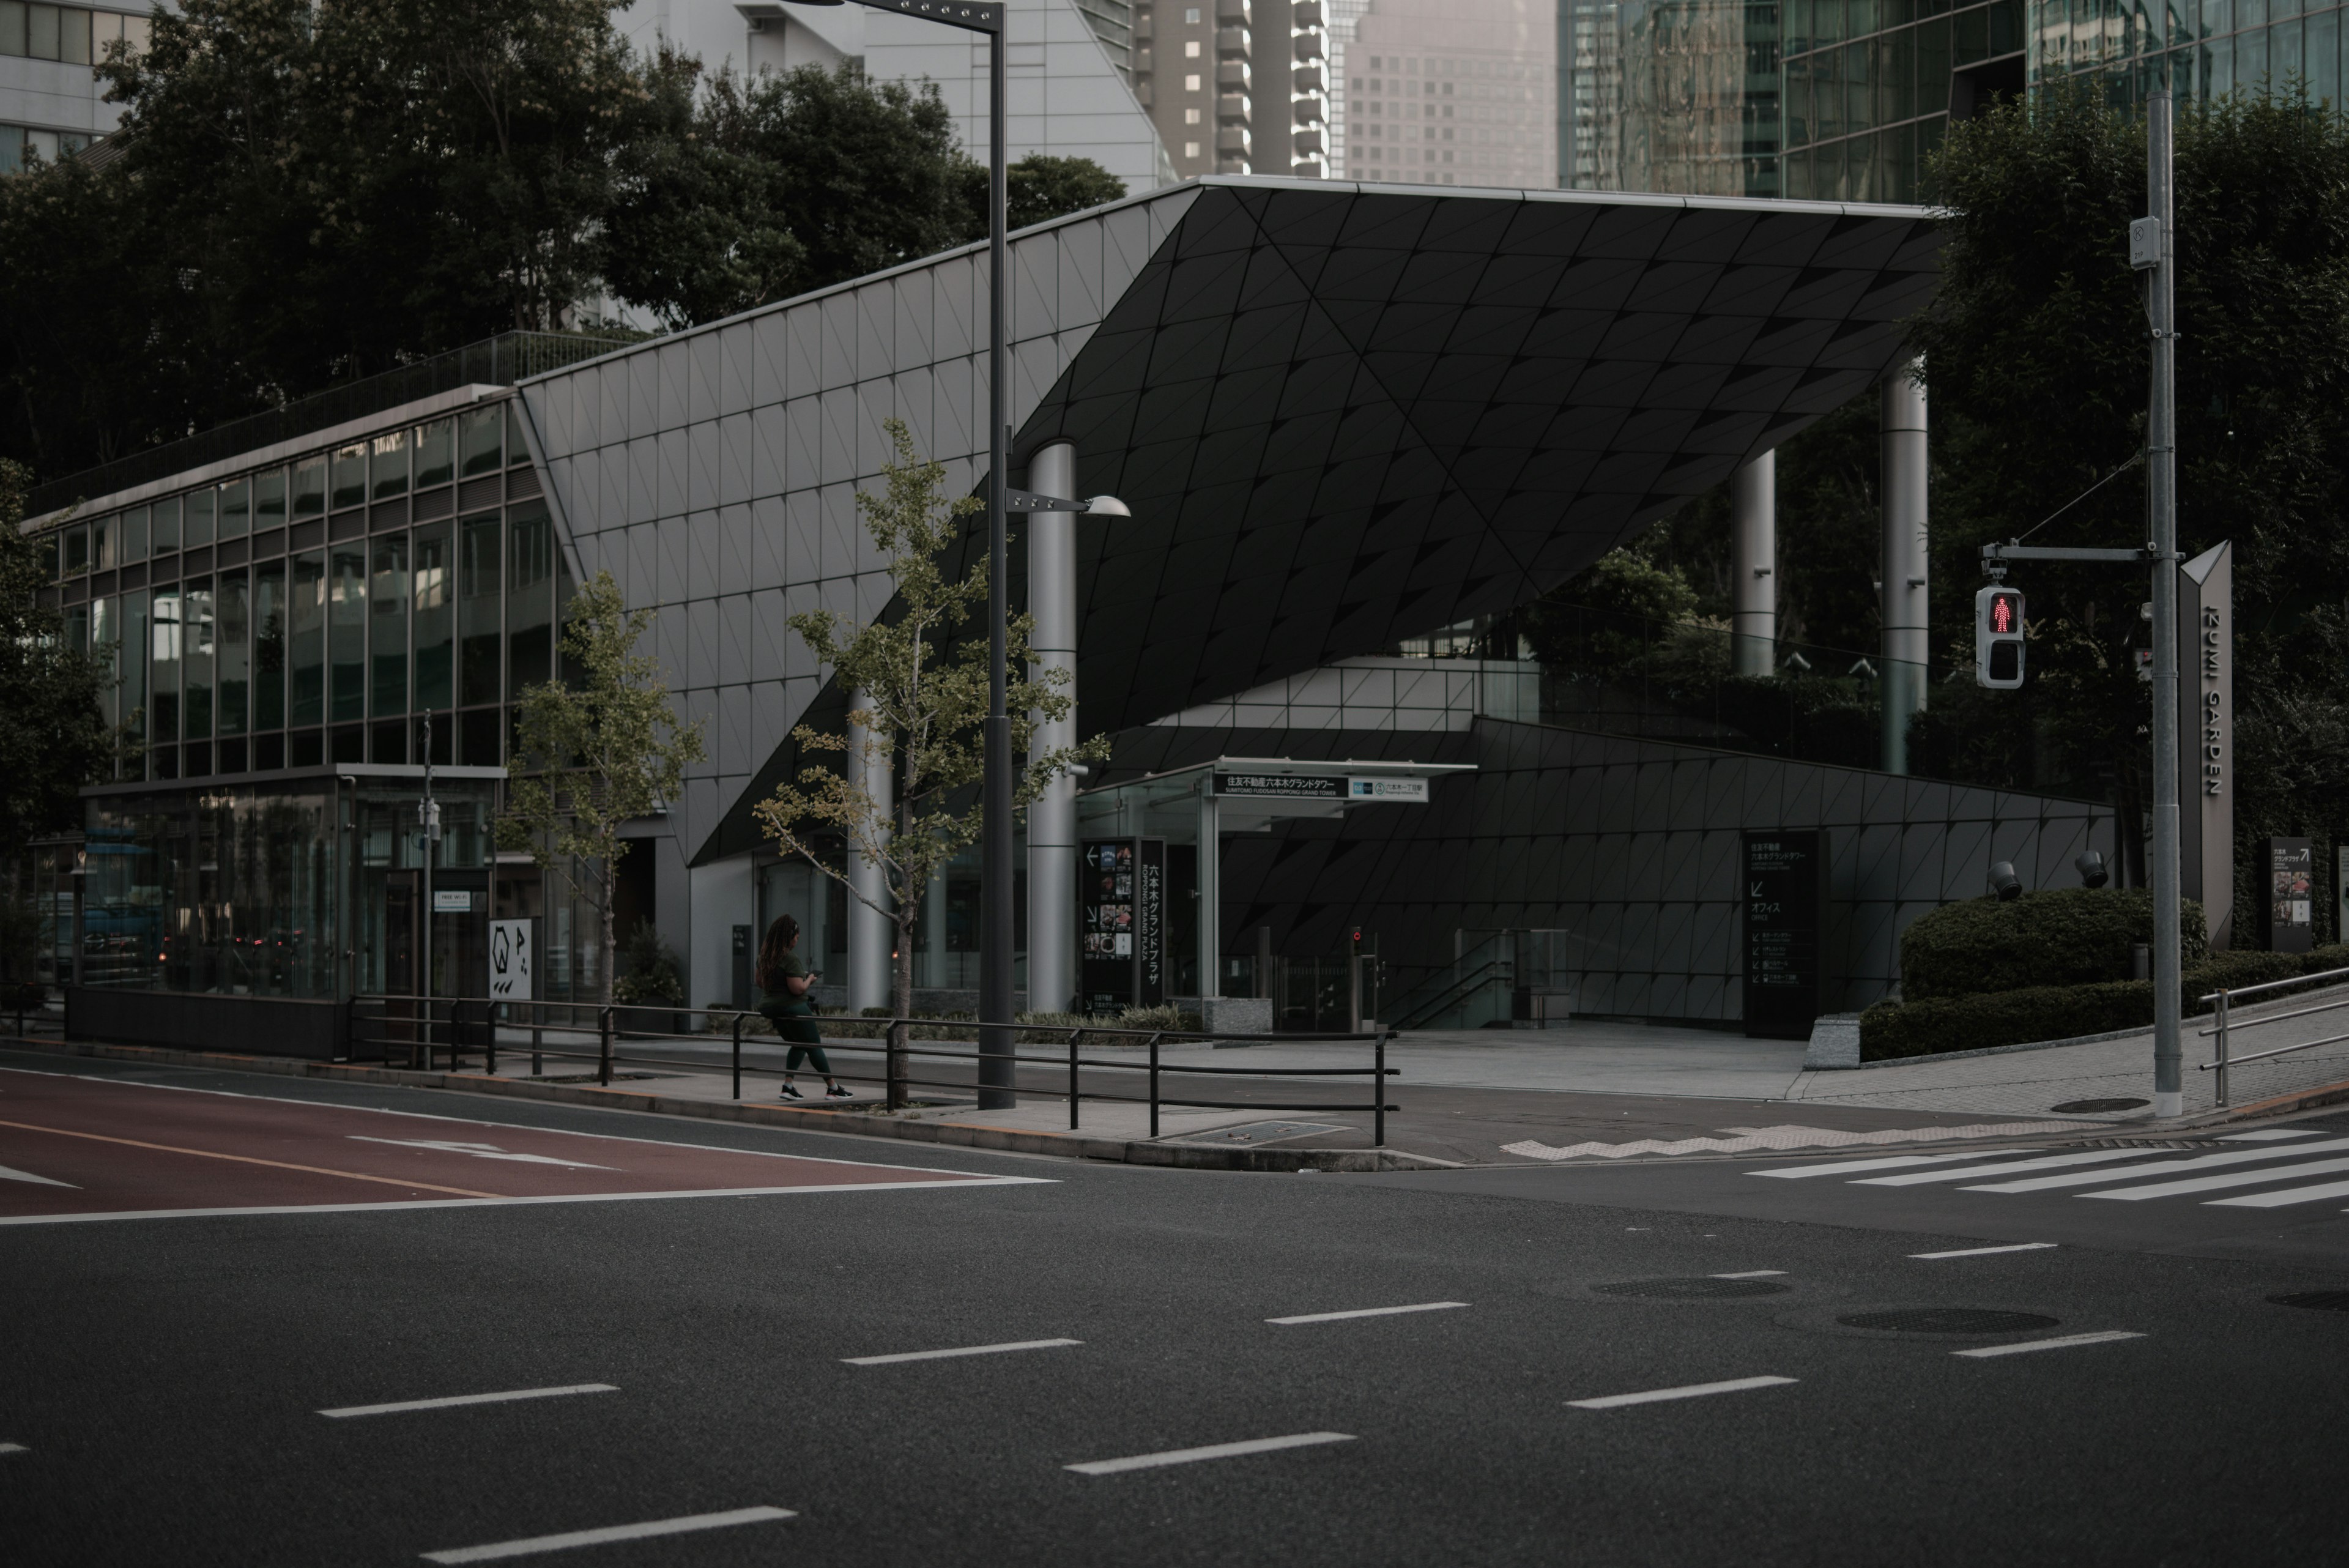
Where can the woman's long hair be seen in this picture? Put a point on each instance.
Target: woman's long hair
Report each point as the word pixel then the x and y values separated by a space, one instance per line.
pixel 782 937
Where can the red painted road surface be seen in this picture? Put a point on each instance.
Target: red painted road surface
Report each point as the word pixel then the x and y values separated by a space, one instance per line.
pixel 88 1149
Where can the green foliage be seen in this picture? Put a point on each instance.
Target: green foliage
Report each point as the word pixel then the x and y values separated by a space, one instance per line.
pixel 2065 936
pixel 53 736
pixel 600 750
pixel 651 969
pixel 1039 188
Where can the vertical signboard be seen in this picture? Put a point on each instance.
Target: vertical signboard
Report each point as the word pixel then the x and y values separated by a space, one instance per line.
pixel 2206 726
pixel 2289 898
pixel 1122 920
pixel 1785 893
pixel 513 959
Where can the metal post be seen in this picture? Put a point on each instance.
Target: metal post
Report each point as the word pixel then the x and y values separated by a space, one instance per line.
pixel 537 1026
pixel 1074 1034
pixel 2161 506
pixel 1754 584
pixel 1052 540
pixel 870 933
pixel 1154 1086
pixel 489 1039
pixel 2222 1050
pixel 738 1056
pixel 1211 896
pixel 1378 1115
pixel 996 1081
pixel 1907 645
pixel 604 1049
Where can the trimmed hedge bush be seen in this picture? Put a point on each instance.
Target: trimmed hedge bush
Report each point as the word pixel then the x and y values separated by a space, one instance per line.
pixel 2068 936
pixel 2027 1014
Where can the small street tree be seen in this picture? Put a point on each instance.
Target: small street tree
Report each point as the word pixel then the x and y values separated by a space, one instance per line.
pixel 923 700
pixel 595 753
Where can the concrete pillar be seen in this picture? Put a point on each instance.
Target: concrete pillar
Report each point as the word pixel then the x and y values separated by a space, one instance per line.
pixel 1907 650
pixel 1211 892
pixel 1052 817
pixel 870 934
pixel 1753 586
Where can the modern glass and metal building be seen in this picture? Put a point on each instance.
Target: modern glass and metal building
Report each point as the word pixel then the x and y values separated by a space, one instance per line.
pixel 1345 418
pixel 1670 95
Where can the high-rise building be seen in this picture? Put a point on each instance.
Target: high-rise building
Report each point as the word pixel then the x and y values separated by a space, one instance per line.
pixel 1235 87
pixel 51 102
pixel 1872 86
pixel 1449 92
pixel 1670 95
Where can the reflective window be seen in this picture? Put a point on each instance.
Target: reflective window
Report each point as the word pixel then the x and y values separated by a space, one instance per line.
pixel 269 632
pixel 306 655
pixel 76 560
pixel 530 608
pixel 196 512
pixel 196 651
pixel 236 510
pixel 517 450
pixel 349 482
pixel 347 632
pixel 387 601
pixel 130 696
pixel 163 709
pixel 435 617
pixel 268 499
pixel 134 535
pixel 477 441
pixel 234 640
pixel 436 453
pixel 481 608
pixel 167 525
pixel 310 487
pixel 105 544
pixel 388 466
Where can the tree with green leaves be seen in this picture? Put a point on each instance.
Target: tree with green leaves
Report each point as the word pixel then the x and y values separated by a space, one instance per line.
pixel 596 752
pixel 922 678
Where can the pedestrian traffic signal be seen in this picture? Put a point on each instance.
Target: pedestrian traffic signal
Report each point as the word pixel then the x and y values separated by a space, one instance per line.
pixel 1998 639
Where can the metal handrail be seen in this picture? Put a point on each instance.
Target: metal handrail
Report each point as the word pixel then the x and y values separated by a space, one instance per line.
pixel 606 1054
pixel 2222 1002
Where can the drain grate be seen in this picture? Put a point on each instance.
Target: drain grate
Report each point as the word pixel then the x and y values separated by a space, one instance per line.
pixel 1257 1132
pixel 2323 1301
pixel 1702 1288
pixel 2090 1107
pixel 1948 1320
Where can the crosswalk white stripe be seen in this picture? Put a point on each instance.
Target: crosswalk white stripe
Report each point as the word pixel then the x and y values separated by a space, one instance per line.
pixel 2226 1179
pixel 2164 1167
pixel 1891 1162
pixel 1960 1172
pixel 2289 1196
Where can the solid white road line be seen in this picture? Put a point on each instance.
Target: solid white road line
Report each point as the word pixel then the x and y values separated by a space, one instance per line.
pixel 13 1449
pixel 1891 1162
pixel 1959 1173
pixel 2266 1177
pixel 347 1411
pixel 2164 1167
pixel 1212 1452
pixel 1986 1252
pixel 2064 1341
pixel 2265 1135
pixel 8 1173
pixel 1693 1391
pixel 958 1350
pixel 2289 1196
pixel 683 1525
pixel 1365 1311
pixel 1753 1274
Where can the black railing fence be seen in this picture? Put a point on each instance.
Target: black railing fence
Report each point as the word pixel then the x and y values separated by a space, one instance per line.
pixel 427 1032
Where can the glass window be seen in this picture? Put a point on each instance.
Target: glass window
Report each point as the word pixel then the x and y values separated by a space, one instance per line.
pixel 52 556
pixel 306 655
pixel 310 487
pixel 135 31
pixel 163 726
pixel 268 499
pixel 196 650
pixel 347 630
pixel 42 32
pixel 1933 65
pixel 134 535
pixel 106 647
pixel 436 453
pixel 480 609
pixel 105 546
pixel 349 486
pixel 235 642
pixel 73 34
pixel 76 550
pixel 268 622
pixel 236 510
pixel 197 508
pixel 388 466
pixel 530 602
pixel 2323 57
pixel 517 450
pixel 13 40
pixel 435 617
pixel 387 598
pixel 131 695
pixel 477 441
pixel 76 629
pixel 167 525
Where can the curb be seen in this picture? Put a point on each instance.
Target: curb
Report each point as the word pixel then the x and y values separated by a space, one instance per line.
pixel 2277 1105
pixel 847 1124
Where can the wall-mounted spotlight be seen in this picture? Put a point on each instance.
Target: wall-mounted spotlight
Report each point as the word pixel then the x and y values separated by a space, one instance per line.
pixel 2094 872
pixel 2005 883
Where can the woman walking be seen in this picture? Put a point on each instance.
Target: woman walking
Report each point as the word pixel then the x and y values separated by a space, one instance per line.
pixel 784 980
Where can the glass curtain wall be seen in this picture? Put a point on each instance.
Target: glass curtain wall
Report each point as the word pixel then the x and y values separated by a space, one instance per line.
pixel 1670 95
pixel 1872 86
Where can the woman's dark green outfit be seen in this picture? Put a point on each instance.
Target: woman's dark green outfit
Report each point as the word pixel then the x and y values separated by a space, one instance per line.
pixel 784 982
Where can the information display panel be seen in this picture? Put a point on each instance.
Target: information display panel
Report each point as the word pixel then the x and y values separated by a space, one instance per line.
pixel 1121 920
pixel 1785 896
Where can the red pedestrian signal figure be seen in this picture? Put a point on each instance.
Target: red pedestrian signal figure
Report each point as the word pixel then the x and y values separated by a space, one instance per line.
pixel 1998 639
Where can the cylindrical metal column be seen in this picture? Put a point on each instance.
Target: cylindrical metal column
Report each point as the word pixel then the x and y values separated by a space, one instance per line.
pixel 998 1066
pixel 1052 815
pixel 1753 586
pixel 1907 650
pixel 2161 519
pixel 871 934
pixel 1211 893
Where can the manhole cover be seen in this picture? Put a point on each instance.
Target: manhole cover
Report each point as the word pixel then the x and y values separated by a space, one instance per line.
pixel 1696 1290
pixel 2323 1301
pixel 2090 1107
pixel 1948 1320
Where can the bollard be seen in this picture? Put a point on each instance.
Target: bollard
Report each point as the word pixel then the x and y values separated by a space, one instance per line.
pixel 489 1038
pixel 603 1053
pixel 1154 1086
pixel 1378 1096
pixel 738 1056
pixel 537 1026
pixel 2222 1049
pixel 1074 1035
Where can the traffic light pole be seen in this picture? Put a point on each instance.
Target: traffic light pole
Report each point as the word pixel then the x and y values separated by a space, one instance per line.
pixel 2161 508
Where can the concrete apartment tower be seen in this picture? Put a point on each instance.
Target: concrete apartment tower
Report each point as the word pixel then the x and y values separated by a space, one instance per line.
pixel 1236 86
pixel 1447 92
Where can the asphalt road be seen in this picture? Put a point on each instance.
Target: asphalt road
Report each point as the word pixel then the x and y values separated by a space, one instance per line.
pixel 162 1378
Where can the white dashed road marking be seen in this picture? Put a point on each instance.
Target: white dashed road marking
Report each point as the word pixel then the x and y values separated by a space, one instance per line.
pixel 1212 1452
pixel 1692 1391
pixel 348 1411
pixel 1986 1252
pixel 1365 1311
pixel 2062 1342
pixel 534 1545
pixel 958 1350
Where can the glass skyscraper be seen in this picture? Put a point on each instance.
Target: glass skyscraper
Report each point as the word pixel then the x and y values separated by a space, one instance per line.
pixel 1670 95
